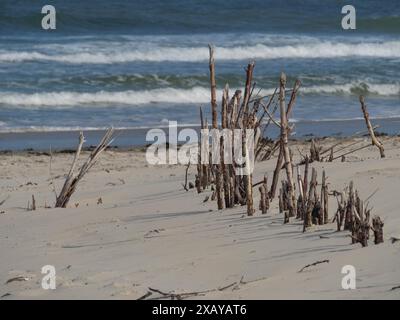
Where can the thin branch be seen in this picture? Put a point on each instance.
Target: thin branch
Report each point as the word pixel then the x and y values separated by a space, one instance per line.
pixel 313 264
pixel 51 174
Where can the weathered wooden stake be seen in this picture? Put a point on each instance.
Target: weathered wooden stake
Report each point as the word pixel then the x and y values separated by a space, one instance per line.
pixel 225 167
pixel 263 206
pixel 280 159
pixel 305 180
pixel 277 171
pixel 377 225
pixel 248 181
pixel 324 199
pixel 348 222
pixel 331 155
pixel 374 139
pixel 281 209
pixel 199 161
pixel 285 147
pixel 197 184
pixel 311 201
pixel 341 212
pixel 33 203
pixel 218 180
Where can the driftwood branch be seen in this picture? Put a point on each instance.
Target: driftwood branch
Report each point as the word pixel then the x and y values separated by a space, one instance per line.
pixel 73 179
pixel 213 87
pixel 185 186
pixel 182 295
pixel 51 174
pixel 375 140
pixel 313 264
pixel 284 129
pixel 3 201
pixel 351 151
pixel 285 148
pixel 248 178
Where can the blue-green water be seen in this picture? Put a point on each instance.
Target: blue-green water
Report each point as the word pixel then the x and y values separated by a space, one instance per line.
pixel 141 63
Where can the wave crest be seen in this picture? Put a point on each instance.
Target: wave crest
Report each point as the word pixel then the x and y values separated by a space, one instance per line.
pixel 324 49
pixel 195 95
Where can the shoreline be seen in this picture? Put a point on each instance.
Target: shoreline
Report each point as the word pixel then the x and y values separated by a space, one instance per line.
pixel 136 137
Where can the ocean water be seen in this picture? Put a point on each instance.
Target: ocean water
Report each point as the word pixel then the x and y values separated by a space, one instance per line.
pixel 136 64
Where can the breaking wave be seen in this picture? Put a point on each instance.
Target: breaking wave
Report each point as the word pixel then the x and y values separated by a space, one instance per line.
pixel 172 95
pixel 324 49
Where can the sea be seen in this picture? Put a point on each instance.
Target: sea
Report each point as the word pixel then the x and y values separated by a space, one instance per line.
pixel 139 64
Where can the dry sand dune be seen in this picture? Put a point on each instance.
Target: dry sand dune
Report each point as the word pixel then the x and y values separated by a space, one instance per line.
pixel 148 232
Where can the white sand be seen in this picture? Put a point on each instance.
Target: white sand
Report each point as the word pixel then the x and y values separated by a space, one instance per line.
pixel 111 250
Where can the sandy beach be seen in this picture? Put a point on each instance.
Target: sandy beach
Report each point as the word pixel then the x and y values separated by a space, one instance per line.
pixel 131 227
pixel 200 150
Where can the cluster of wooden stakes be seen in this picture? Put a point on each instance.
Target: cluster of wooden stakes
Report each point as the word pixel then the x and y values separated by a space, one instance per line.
pixel 256 112
pixel 303 199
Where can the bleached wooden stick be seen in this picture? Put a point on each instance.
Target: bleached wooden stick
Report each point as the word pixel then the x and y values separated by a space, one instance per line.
pixel 218 177
pixel 285 147
pixel 72 180
pixel 374 139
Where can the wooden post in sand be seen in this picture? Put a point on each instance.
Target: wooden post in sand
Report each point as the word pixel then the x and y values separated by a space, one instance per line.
pixel 225 167
pixel 218 180
pixel 370 128
pixel 363 234
pixel 341 212
pixel 282 207
pixel 285 147
pixel 263 207
pixel 314 151
pixel 286 217
pixel 199 176
pixel 277 171
pixel 248 180
pixel 280 197
pixel 331 155
pixel 197 184
pixel 300 199
pixel 264 199
pixel 311 200
pixel 348 220
pixel 280 159
pixel 204 177
pixel 305 180
pixel 233 110
pixel 324 199
pixel 267 200
pixel 300 181
pixel 33 207
pixel 377 225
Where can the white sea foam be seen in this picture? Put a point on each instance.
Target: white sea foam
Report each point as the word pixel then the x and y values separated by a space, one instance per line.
pixel 314 49
pixel 355 87
pixel 65 98
pixel 30 129
pixel 10 129
pixel 195 95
